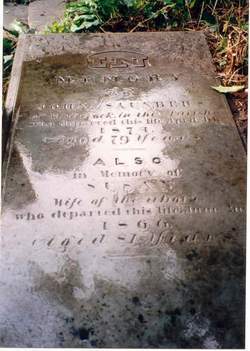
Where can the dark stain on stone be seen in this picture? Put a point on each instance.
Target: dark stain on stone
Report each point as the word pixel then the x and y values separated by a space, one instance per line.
pixel 83 333
pixel 69 320
pixel 141 318
pixel 93 343
pixel 192 255
pixel 192 311
pixel 13 196
pixel 136 300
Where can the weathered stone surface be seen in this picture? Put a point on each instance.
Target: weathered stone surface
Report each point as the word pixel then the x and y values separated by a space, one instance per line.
pixel 44 12
pixel 124 197
pixel 11 12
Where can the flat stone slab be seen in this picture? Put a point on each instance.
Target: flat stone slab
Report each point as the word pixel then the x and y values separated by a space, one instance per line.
pixel 45 12
pixel 123 218
pixel 12 12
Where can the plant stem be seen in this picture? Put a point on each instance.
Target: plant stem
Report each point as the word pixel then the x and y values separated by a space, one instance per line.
pixel 156 14
pixel 201 13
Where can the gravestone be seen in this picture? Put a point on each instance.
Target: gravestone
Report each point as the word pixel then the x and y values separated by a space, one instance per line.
pixel 123 218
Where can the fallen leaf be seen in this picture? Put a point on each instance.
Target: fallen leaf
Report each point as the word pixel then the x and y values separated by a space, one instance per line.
pixel 7 58
pixel 226 90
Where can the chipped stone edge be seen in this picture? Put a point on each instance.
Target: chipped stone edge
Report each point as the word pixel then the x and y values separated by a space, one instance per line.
pixel 11 109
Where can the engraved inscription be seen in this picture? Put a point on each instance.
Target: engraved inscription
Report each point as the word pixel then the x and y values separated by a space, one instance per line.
pixel 124 200
pixel 117 59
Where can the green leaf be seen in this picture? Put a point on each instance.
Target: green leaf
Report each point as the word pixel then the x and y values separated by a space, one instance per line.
pixel 192 4
pixel 84 18
pixel 84 25
pixel 7 46
pixel 108 8
pixel 226 90
pixel 169 2
pixel 130 3
pixel 245 26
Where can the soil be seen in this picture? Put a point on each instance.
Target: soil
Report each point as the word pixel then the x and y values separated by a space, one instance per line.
pixel 238 105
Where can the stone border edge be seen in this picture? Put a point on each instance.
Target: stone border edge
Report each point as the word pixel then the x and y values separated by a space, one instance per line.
pixel 10 114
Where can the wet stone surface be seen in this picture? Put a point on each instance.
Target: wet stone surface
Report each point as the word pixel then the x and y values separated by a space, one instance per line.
pixel 123 218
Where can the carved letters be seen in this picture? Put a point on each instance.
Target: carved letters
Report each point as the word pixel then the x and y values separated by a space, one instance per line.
pixel 117 59
pixel 127 181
